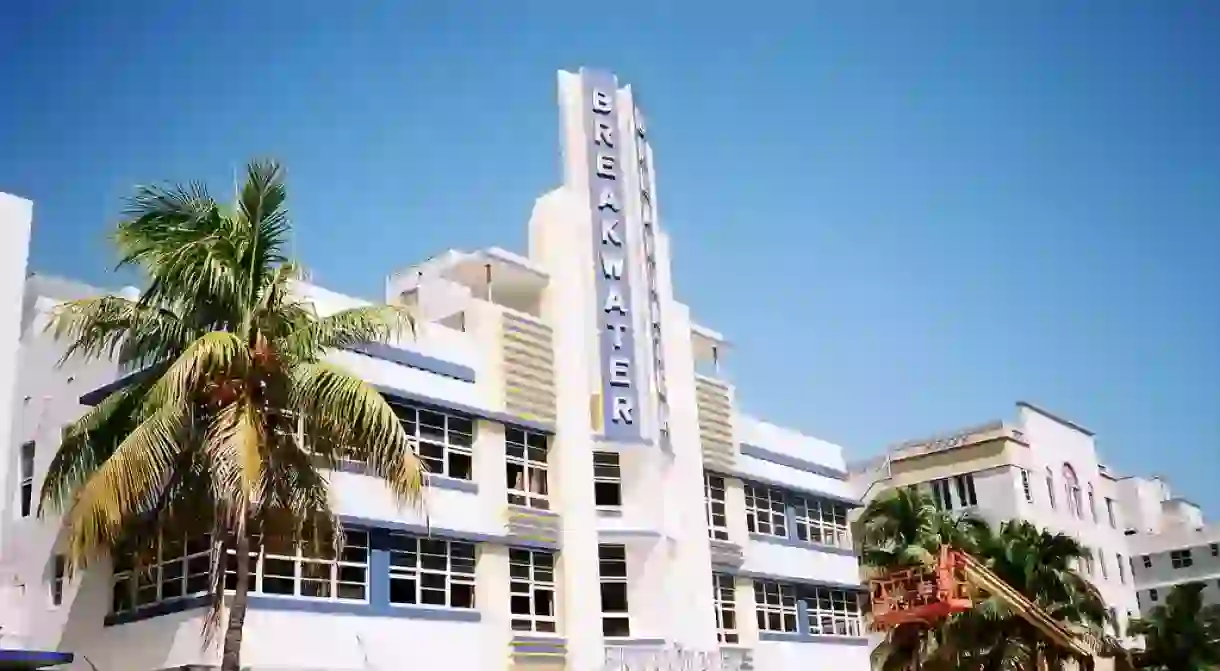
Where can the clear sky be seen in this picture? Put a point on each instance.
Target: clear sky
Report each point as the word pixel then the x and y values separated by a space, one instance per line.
pixel 906 216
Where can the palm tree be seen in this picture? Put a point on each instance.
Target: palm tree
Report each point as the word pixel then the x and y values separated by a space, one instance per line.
pixel 234 417
pixel 1040 565
pixel 1182 634
pixel 904 528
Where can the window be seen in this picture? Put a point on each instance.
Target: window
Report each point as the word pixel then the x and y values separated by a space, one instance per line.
pixel 766 511
pixel 59 566
pixel 832 612
pixel 820 521
pixel 724 598
pixel 525 456
pixel 607 480
pixel 1147 561
pixel 445 441
pixel 1072 487
pixel 612 570
pixel 1122 569
pixel 1116 623
pixel 1029 493
pixel 431 572
pixel 1050 488
pixel 717 514
pixel 1215 548
pixel 1181 559
pixel 1092 503
pixel 965 489
pixel 940 494
pixel 1101 563
pixel 1152 595
pixel 776 606
pixel 1086 560
pixel 311 570
pixel 169 570
pixel 531 584
pixel 1110 513
pixel 27 478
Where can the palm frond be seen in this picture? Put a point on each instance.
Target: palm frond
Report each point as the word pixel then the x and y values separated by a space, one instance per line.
pixel 355 326
pixel 346 413
pixel 132 334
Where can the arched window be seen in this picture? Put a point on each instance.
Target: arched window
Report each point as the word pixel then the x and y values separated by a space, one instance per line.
pixel 1050 487
pixel 1092 503
pixel 1071 485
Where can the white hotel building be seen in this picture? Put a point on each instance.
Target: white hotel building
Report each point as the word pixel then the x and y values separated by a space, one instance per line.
pixel 1038 467
pixel 594 496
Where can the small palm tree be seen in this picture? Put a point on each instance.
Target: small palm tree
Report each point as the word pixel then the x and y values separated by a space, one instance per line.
pixel 1182 634
pixel 235 417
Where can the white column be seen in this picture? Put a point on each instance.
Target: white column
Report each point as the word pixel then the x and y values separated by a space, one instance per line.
pixel 16 215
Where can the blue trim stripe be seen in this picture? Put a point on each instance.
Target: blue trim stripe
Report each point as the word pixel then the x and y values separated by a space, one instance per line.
pixel 412 359
pixel 98 395
pixel 788 486
pixel 384 609
pixel 790 461
pixel 451 534
pixel 32 659
pixel 728 569
pixel 795 637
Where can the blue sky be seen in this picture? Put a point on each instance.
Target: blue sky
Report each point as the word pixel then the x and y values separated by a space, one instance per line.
pixel 906 216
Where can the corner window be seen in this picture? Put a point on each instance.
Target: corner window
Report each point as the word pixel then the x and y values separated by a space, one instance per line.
pixel 531 586
pixel 27 478
pixel 445 441
pixel 160 570
pixel 775 605
pixel 820 521
pixel 431 572
pixel 612 572
pixel 59 566
pixel 717 512
pixel 766 511
pixel 724 598
pixel 1181 559
pixel 607 480
pixel 832 612
pixel 526 468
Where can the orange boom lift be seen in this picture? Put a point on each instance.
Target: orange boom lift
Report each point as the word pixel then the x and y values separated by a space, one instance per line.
pixel 925 595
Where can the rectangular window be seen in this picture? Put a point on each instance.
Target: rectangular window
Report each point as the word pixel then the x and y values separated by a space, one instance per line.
pixel 27 478
pixel 526 468
pixel 1147 561
pixel 965 489
pixel 59 565
pixel 766 511
pixel 776 606
pixel 1181 559
pixel 531 585
pixel 724 595
pixel 717 513
pixel 941 495
pixel 431 572
pixel 612 571
pixel 1092 504
pixel 820 521
pixel 1101 563
pixel 168 570
pixel 1215 548
pixel 1029 492
pixel 1122 569
pixel 445 441
pixel 832 612
pixel 1152 594
pixel 607 480
pixel 1050 489
pixel 311 570
pixel 1110 513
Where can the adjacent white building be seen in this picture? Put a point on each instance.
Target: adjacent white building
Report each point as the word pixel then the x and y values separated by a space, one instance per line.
pixel 595 498
pixel 1170 542
pixel 1037 467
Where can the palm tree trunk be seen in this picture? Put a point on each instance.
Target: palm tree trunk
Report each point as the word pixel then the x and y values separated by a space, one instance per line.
pixel 230 658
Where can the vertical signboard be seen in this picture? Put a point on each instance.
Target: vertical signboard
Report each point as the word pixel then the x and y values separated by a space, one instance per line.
pixel 615 317
pixel 648 233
